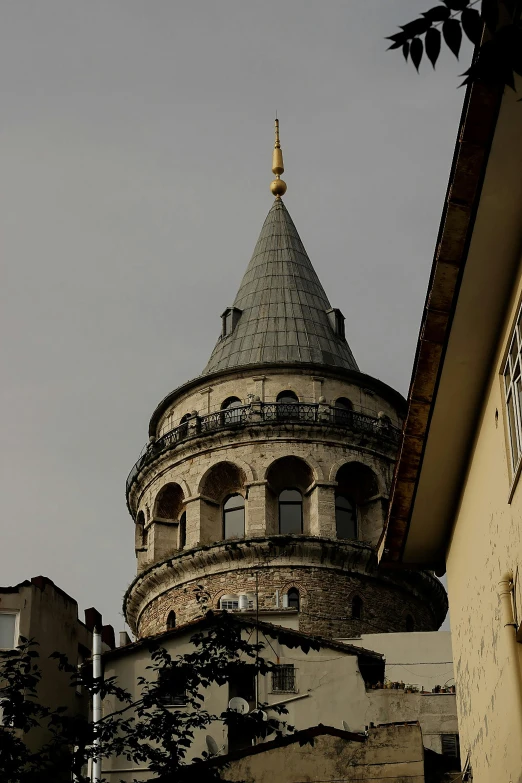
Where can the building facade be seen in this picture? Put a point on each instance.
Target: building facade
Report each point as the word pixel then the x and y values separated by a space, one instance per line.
pixel 265 483
pixel 457 501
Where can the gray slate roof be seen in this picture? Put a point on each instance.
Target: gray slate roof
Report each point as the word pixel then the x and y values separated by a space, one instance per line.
pixel 283 305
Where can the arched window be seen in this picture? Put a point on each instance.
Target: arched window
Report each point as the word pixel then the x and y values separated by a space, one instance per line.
pixel 357 608
pixel 342 410
pixel 230 415
pixel 410 623
pixel 290 511
pixel 183 530
pixel 287 405
pixel 234 517
pixel 171 621
pixel 293 598
pixel 345 517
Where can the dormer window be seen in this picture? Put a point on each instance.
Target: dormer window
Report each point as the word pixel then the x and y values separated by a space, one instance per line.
pixel 229 320
pixel 336 319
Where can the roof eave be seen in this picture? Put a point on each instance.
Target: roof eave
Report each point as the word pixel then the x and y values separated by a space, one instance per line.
pixel 478 122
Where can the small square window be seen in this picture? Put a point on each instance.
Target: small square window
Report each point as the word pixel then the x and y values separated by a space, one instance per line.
pixel 283 678
pixel 8 630
pixel 450 745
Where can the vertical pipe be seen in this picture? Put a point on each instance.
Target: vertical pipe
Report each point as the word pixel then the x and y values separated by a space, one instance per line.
pixel 505 589
pixel 96 701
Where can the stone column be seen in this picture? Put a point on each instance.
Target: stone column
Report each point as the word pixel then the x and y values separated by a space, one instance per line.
pixel 255 520
pixel 322 510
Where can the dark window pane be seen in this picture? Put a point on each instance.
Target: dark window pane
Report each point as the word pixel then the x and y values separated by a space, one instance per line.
pixel 290 518
pixel 345 518
pixel 357 606
pixel 512 431
pixel 235 523
pixel 293 598
pixel 292 495
pixel 234 501
pixel 287 396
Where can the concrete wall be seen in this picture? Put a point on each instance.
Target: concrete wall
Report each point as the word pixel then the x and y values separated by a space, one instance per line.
pixel 50 616
pixel 487 542
pixel 391 753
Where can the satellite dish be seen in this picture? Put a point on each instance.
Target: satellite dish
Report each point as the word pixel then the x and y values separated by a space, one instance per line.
pixel 261 713
pixel 345 726
pixel 237 704
pixel 212 745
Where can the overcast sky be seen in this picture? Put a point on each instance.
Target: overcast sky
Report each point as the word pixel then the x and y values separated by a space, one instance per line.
pixel 135 148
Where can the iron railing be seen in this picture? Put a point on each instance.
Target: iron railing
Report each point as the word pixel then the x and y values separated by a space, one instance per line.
pixel 266 412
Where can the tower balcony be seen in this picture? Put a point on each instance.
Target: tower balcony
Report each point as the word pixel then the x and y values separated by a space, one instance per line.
pixel 259 414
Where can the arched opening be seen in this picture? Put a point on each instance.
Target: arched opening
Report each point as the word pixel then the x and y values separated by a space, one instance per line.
pixel 139 532
pixel 410 623
pixel 345 517
pixel 217 486
pixel 234 517
pixel 290 512
pixel 287 405
pixel 343 408
pixel 357 483
pixel 357 608
pixel 171 621
pixel 183 425
pixel 288 474
pixel 230 413
pixel 169 503
pixel 183 530
pixel 293 598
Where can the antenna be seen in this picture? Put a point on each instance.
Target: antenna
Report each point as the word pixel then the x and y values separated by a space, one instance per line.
pixel 212 745
pixel 237 704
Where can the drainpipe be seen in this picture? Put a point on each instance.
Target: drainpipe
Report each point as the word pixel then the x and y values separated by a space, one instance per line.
pixel 505 590
pixel 96 701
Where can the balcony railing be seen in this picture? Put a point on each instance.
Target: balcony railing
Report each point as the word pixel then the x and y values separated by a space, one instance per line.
pixel 267 413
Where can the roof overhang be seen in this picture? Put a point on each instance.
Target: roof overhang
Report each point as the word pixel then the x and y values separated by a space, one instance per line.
pixel 477 253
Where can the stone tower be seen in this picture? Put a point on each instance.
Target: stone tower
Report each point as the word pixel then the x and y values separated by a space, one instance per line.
pixel 266 479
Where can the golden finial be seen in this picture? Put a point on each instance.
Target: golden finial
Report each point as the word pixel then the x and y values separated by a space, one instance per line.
pixel 278 186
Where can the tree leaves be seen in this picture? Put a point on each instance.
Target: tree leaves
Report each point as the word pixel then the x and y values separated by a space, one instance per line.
pixel 416 51
pixel 472 25
pixel 497 57
pixel 432 44
pixel 452 32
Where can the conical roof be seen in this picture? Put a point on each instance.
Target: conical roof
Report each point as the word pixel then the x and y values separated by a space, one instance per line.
pixel 284 309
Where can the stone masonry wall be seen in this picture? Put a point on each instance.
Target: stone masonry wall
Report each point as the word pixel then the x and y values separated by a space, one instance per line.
pixel 325 601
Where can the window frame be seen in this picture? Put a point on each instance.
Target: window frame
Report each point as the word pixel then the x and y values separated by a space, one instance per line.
pixel 294 590
pixel 355 519
pixel 16 639
pixel 290 503
pixel 226 511
pixel 284 669
pixel 511 381
pixel 178 701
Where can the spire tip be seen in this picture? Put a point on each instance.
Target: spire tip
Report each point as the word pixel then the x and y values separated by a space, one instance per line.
pixel 278 186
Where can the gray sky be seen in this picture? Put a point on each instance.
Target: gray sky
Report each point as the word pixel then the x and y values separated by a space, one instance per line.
pixel 135 152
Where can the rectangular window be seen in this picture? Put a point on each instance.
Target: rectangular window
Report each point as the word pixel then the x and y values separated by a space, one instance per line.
pixel 513 392
pixel 8 630
pixel 450 745
pixel 283 678
pixel 173 687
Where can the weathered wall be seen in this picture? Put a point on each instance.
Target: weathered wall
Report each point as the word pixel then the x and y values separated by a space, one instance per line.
pixel 206 398
pixel 390 753
pixel 487 542
pixel 50 616
pixel 325 600
pixel 329 689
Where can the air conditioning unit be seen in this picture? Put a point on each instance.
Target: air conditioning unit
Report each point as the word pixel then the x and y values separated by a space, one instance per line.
pixel 243 601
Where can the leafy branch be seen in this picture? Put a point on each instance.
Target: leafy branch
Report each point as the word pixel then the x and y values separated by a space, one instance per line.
pixel 494 29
